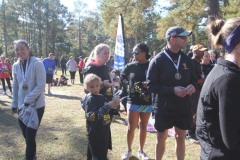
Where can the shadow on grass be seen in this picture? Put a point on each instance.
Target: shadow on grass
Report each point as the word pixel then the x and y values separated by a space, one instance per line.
pixel 4 103
pixel 10 134
pixel 7 119
pixel 64 97
pixel 136 158
pixel 62 139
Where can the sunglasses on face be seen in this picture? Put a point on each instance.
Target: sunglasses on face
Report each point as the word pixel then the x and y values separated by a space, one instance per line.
pixel 136 52
pixel 182 37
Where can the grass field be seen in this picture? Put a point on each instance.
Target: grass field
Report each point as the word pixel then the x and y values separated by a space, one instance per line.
pixel 62 134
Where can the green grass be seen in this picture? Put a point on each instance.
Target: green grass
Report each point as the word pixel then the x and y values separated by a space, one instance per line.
pixel 62 134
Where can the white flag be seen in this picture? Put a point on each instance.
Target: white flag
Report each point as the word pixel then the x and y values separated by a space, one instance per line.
pixel 119 55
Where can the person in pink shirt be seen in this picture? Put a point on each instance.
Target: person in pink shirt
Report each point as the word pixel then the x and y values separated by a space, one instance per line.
pixel 5 69
pixel 81 66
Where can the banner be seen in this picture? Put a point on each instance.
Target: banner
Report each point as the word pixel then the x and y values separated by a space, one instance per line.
pixel 119 54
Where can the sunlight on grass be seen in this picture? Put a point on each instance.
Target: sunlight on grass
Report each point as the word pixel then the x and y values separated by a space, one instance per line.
pixel 62 134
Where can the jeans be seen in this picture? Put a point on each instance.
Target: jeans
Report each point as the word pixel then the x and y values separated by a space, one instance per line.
pixel 29 135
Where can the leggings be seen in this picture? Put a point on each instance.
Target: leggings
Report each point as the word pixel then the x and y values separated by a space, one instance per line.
pixel 8 83
pixel 29 135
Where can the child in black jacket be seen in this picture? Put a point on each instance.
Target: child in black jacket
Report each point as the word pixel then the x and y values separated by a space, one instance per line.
pixel 98 119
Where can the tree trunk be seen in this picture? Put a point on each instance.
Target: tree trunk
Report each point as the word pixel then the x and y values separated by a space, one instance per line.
pixel 79 36
pixel 47 30
pixel 39 30
pixel 4 27
pixel 213 14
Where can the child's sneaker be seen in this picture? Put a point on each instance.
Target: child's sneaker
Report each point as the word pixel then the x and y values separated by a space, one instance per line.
pixel 143 155
pixel 127 155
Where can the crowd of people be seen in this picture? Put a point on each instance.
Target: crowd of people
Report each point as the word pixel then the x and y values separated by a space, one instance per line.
pixel 196 93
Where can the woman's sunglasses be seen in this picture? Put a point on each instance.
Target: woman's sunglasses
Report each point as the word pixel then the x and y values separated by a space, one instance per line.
pixel 136 52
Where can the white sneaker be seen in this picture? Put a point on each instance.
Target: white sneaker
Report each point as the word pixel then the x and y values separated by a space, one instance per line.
pixel 143 155
pixel 127 155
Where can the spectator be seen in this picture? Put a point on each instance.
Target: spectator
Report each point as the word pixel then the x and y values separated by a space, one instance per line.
pixel 50 66
pixel 63 63
pixel 206 64
pixel 171 77
pixel 63 80
pixel 10 70
pixel 198 52
pixel 213 56
pixel 72 66
pixel 5 69
pixel 218 108
pixel 81 66
pixel 57 64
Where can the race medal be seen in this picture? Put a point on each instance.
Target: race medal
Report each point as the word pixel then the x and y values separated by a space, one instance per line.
pixel 25 86
pixel 178 76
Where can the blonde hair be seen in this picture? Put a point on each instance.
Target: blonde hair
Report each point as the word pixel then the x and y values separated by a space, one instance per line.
pixel 98 49
pixel 220 30
pixel 90 78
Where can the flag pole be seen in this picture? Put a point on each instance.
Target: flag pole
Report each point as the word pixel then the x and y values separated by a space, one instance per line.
pixel 123 34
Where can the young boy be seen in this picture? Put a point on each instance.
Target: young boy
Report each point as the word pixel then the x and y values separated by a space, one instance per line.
pixel 98 119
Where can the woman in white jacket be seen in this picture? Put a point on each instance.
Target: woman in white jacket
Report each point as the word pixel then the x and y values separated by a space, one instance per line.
pixel 28 93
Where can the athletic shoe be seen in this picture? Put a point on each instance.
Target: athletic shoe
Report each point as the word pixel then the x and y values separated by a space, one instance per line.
pixel 127 155
pixel 143 155
pixel 49 93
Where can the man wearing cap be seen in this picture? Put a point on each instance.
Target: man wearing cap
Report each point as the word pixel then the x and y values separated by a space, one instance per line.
pixel 171 77
pixel 198 52
pixel 50 65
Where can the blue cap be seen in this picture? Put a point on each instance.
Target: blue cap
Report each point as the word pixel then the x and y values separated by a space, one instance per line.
pixel 177 31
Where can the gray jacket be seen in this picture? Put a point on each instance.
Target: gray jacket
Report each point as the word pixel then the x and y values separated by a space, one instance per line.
pixel 35 79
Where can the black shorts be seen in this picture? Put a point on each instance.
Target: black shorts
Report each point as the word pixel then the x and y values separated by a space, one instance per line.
pixel 72 74
pixel 163 122
pixel 49 78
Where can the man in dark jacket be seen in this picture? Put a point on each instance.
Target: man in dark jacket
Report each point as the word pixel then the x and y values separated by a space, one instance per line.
pixel 171 78
pixel 198 52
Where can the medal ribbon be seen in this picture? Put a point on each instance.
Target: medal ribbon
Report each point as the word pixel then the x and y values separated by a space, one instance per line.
pixel 25 73
pixel 175 65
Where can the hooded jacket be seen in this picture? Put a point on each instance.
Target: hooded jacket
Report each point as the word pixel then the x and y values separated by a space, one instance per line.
pixel 35 79
pixel 218 115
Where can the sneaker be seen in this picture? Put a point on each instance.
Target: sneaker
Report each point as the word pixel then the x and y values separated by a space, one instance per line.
pixel 143 155
pixel 127 155
pixel 49 93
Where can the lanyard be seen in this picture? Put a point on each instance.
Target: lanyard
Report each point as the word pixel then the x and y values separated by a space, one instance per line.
pixel 24 74
pixel 175 65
